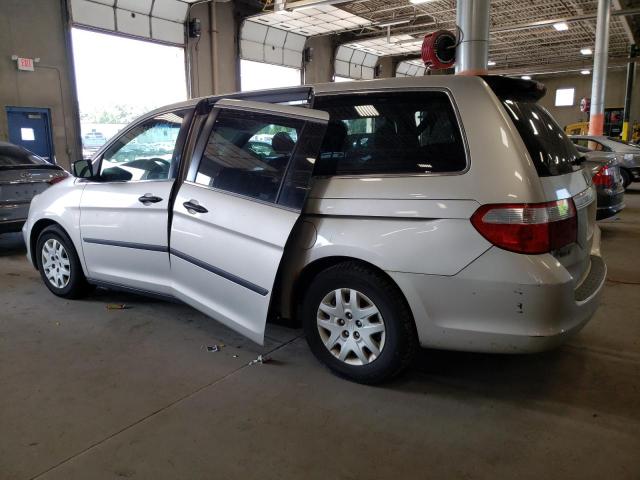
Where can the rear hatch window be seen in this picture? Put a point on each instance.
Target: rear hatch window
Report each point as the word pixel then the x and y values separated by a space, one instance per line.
pixel 550 149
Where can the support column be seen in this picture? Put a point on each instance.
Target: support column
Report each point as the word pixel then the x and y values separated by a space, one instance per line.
pixel 596 117
pixel 472 55
pixel 631 70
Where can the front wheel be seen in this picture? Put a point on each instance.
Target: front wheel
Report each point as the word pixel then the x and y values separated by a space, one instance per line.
pixel 357 323
pixel 59 264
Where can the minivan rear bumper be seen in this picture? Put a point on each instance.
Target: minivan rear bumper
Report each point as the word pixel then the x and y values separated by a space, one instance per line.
pixel 503 303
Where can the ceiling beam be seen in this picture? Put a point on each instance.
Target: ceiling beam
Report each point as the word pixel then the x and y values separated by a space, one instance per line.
pixel 555 68
pixel 576 18
pixel 625 22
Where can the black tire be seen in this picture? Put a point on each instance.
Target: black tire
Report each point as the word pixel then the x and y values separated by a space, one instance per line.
pixel 400 344
pixel 77 285
pixel 626 178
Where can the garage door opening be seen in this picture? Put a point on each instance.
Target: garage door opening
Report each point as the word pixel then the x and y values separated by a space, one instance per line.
pixel 258 76
pixel 119 79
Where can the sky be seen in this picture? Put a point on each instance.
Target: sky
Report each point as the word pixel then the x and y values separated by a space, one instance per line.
pixel 113 70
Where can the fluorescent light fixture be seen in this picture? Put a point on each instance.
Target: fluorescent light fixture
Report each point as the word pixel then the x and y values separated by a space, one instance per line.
pixel 393 22
pixel 561 26
pixel 491 63
pixel 526 77
pixel 586 51
pixel 585 72
pixel 418 2
pixel 367 110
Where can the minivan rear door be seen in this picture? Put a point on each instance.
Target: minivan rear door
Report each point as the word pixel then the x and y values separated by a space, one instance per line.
pixel 240 199
pixel 556 161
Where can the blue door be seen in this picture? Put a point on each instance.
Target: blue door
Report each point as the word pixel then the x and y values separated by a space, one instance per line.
pixel 31 128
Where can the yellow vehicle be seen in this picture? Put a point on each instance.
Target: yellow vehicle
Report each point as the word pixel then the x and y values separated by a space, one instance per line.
pixel 612 125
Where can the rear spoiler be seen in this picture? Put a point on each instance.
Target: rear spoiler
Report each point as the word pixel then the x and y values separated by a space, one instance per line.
pixel 516 89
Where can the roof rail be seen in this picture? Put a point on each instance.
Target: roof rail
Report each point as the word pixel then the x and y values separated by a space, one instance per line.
pixel 272 95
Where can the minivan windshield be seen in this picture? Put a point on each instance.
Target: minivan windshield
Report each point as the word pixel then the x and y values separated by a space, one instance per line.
pixel 550 149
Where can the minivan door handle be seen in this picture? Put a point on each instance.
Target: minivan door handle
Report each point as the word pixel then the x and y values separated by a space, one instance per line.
pixel 193 207
pixel 148 199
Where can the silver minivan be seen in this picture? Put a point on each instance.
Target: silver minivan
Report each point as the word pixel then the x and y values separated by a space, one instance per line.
pixel 443 211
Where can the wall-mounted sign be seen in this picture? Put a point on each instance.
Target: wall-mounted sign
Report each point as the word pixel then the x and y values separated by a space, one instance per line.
pixel 25 64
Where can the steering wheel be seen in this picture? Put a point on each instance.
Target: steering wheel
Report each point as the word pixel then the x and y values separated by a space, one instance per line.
pixel 160 171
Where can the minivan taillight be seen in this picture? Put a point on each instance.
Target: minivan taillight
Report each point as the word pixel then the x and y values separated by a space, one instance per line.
pixel 604 177
pixel 531 228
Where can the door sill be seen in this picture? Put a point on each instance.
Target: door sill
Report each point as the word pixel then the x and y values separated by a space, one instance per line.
pixel 137 291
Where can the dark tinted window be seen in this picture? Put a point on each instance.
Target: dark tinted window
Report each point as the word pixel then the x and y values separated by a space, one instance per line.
pixel 415 132
pixel 232 162
pixel 296 184
pixel 11 156
pixel 551 150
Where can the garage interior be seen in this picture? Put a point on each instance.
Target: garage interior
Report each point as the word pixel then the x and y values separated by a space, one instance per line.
pixel 159 390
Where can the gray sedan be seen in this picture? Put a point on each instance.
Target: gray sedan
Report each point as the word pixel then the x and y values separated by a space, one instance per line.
pixel 605 174
pixel 628 154
pixel 22 176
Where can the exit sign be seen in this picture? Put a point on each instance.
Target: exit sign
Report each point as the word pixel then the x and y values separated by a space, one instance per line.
pixel 25 64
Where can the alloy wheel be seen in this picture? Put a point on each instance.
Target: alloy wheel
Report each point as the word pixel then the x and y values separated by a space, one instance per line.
pixel 351 326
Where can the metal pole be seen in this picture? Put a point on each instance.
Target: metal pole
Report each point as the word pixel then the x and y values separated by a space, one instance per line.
pixel 472 17
pixel 596 117
pixel 631 70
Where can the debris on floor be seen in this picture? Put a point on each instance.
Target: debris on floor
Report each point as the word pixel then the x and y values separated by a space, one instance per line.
pixel 260 359
pixel 213 348
pixel 117 306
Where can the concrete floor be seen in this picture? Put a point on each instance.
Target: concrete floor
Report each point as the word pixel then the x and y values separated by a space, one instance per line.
pixel 87 392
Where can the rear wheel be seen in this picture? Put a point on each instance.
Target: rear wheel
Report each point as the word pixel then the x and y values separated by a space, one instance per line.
pixel 59 264
pixel 358 324
pixel 626 178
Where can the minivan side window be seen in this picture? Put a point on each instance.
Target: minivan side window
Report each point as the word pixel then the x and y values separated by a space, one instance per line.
pixel 145 152
pixel 394 132
pixel 247 153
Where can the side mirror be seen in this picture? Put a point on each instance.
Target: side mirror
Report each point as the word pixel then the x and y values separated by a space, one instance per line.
pixel 82 169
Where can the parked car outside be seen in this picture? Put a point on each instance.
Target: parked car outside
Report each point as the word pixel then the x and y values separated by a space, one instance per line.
pixel 392 214
pixel 629 154
pixel 23 174
pixel 92 142
pixel 606 177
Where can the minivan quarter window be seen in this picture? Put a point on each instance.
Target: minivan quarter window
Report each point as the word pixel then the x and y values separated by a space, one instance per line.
pixel 392 132
pixel 145 152
pixel 247 153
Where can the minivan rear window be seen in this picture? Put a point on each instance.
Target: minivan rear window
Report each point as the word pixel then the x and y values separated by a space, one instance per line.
pixel 393 132
pixel 551 150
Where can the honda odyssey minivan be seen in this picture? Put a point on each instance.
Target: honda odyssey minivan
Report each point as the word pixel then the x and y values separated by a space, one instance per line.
pixel 441 211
